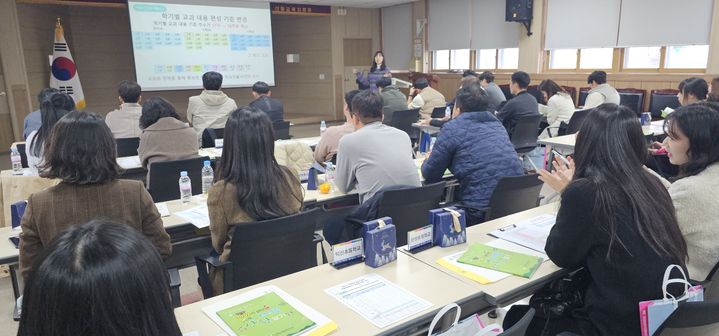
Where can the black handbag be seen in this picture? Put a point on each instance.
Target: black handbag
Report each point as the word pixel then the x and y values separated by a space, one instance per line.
pixel 560 297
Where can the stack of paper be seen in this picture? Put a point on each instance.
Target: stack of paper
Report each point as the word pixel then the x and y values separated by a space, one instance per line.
pixel 199 216
pixel 531 233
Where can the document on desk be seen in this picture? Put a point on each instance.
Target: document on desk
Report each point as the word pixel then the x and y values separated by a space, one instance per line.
pixel 162 209
pixel 531 233
pixel 378 300
pixel 129 162
pixel 198 216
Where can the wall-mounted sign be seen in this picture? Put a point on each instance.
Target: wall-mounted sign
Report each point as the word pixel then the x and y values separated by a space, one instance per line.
pixel 294 9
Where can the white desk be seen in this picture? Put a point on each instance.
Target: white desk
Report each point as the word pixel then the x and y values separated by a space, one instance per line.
pixel 431 130
pixel 565 142
pixel 510 289
pixel 308 286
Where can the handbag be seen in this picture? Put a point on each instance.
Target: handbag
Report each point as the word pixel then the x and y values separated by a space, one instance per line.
pixel 560 297
pixel 470 326
pixel 653 313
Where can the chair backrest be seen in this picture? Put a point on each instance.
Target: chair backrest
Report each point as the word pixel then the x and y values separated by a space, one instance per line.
pixel 534 91
pixel 409 208
pixel 711 285
pixel 520 328
pixel 164 178
pixel 506 91
pixel 575 122
pixel 282 129
pixel 572 92
pixel 403 120
pixel 583 93
pixel 524 135
pixel 22 149
pixel 209 135
pixel 633 99
pixel 692 319
pixel 127 146
pixel 439 112
pixel 514 194
pixel 660 99
pixel 269 249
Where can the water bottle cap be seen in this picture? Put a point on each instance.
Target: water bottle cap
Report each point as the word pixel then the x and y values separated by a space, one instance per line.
pixel 183 173
pixel 207 163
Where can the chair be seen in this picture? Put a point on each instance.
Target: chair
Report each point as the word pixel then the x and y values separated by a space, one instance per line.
pixel 583 93
pixel 22 150
pixel 439 112
pixel 534 91
pixel 524 136
pixel 520 328
pixel 507 92
pixel 183 255
pixel 403 120
pixel 127 146
pixel 711 284
pixel 164 178
pixel 692 318
pixel 264 250
pixel 209 135
pixel 575 122
pixel 408 208
pixel 633 99
pixel 511 195
pixel 661 99
pixel 282 129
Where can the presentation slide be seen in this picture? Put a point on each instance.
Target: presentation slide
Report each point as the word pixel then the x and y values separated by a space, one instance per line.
pixel 175 43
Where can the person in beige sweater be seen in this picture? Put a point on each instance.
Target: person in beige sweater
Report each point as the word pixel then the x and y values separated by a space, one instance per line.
pixel 211 108
pixel 250 185
pixel 326 149
pixel 164 137
pixel 692 144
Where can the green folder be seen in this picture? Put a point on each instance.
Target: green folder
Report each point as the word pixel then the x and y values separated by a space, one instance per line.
pixel 501 260
pixel 268 315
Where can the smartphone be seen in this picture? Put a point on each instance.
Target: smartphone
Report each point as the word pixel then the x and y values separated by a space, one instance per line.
pixel 561 157
pixel 15 241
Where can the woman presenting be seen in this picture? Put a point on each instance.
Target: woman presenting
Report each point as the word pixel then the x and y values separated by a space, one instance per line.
pixel 377 71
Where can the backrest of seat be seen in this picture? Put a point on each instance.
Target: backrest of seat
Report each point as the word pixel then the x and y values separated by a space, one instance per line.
pixel 524 135
pixel 282 129
pixel 269 249
pixel 506 91
pixel 572 92
pixel 403 120
pixel 534 91
pixel 520 328
pixel 439 112
pixel 209 135
pixel 661 99
pixel 127 146
pixel 583 93
pixel 575 122
pixel 633 99
pixel 409 208
pixel 164 177
pixel 514 194
pixel 692 319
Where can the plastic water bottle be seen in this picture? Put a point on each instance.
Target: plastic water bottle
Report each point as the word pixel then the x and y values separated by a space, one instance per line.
pixel 16 161
pixel 323 127
pixel 330 172
pixel 208 176
pixel 447 112
pixel 185 188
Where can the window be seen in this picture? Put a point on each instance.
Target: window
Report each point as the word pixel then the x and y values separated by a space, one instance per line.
pixel 440 61
pixel 508 58
pixel 596 58
pixel 563 59
pixel 687 57
pixel 642 57
pixel 487 59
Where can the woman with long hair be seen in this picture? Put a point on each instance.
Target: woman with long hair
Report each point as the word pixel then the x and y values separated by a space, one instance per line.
pixel 559 106
pixel 52 109
pixel 251 185
pixel 98 278
pixel 692 90
pixel 616 220
pixel 377 70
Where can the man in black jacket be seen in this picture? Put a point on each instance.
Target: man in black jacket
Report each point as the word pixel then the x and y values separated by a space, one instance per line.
pixel 273 107
pixel 523 104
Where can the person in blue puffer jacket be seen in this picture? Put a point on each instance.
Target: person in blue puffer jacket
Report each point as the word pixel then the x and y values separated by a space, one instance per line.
pixel 476 149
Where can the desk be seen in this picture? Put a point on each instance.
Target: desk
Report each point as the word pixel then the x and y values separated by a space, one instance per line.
pixel 429 129
pixel 565 142
pixel 510 289
pixel 15 188
pixel 308 286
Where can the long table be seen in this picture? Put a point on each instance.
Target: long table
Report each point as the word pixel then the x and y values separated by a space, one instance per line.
pixel 418 273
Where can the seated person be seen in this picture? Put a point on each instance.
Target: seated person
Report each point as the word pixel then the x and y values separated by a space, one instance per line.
pixel 264 102
pixel 559 108
pixel 211 108
pixel 476 149
pixel 125 121
pixel 164 136
pixel 250 185
pixel 392 99
pixel 600 92
pixel 375 155
pixel 425 98
pixel 81 153
pixel 33 120
pixel 54 107
pixel 523 104
pixel 102 278
pixel 495 94
pixel 326 149
pixel 692 90
pixel 468 77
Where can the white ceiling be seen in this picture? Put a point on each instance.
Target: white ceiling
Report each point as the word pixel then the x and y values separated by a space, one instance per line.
pixel 346 3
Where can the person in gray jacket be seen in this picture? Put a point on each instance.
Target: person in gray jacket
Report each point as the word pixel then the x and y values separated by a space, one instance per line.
pixel 393 99
pixel 495 95
pixel 601 92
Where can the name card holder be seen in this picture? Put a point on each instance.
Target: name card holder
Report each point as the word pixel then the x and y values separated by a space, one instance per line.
pixel 347 253
pixel 420 239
